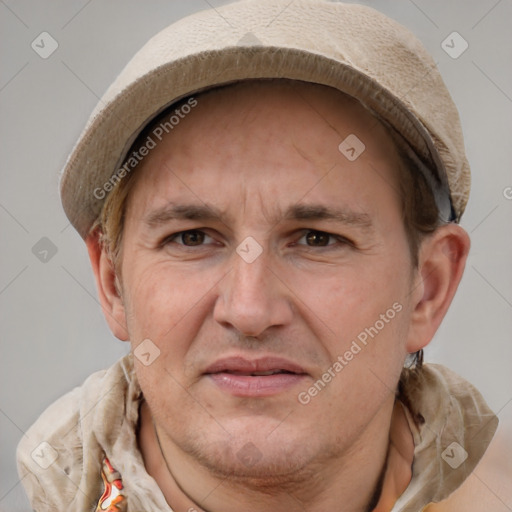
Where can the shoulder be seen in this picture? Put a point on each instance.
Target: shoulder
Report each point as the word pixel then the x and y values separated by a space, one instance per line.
pixel 50 456
pixel 488 487
pixel 452 426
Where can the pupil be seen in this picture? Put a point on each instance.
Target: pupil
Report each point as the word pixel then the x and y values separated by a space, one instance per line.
pixel 192 238
pixel 317 238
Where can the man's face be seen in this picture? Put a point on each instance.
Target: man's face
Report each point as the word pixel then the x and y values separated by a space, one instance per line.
pixel 258 168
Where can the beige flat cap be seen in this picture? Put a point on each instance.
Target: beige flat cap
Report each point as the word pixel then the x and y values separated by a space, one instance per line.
pixel 352 48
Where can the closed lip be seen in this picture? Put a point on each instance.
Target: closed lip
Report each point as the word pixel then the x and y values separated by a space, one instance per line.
pixel 239 365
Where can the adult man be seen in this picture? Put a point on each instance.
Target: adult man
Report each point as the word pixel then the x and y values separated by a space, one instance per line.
pixel 270 214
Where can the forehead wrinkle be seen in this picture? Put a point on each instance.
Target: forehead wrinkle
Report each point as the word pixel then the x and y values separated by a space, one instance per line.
pixel 269 212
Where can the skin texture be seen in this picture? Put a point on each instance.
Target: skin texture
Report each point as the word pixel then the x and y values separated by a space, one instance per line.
pixel 252 152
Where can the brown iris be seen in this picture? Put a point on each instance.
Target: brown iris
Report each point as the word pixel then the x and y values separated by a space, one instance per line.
pixel 192 237
pixel 317 238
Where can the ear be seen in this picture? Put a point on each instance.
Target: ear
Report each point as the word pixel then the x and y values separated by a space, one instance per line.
pixel 108 290
pixel 442 261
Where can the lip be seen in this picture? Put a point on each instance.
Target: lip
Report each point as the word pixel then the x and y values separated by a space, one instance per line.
pixel 235 375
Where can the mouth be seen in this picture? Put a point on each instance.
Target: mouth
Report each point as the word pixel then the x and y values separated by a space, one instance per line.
pixel 244 377
pixel 257 374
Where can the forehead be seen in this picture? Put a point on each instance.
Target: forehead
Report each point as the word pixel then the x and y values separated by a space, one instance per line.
pixel 298 107
pixel 260 133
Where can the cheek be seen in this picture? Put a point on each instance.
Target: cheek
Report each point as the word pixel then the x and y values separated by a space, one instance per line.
pixel 350 298
pixel 168 308
pixel 367 324
pixel 147 305
pixel 167 305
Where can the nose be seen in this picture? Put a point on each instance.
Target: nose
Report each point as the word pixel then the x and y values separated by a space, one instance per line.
pixel 252 298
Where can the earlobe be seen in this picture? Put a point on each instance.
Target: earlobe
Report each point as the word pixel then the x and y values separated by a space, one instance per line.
pixel 106 283
pixel 443 257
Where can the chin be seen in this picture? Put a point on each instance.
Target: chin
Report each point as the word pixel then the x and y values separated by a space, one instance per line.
pixel 257 459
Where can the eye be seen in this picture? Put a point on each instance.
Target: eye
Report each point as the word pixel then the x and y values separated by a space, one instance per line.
pixel 317 238
pixel 190 238
pixel 313 238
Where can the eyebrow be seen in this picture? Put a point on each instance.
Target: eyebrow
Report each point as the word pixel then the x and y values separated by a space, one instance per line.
pixel 205 213
pixel 321 212
pixel 174 211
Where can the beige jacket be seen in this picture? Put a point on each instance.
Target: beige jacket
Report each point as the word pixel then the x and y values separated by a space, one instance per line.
pixel 82 453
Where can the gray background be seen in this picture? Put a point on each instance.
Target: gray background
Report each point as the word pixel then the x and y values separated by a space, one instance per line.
pixel 53 334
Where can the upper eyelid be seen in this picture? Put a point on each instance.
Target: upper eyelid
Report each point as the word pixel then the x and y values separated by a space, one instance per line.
pixel 338 238
pixel 178 233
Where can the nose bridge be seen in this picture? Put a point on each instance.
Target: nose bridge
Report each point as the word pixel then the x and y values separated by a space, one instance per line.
pixel 251 281
pixel 252 298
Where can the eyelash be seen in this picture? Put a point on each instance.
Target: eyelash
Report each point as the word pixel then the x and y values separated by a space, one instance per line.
pixel 342 240
pixel 172 237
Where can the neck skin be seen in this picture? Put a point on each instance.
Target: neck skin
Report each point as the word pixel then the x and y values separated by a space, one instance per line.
pixel 352 481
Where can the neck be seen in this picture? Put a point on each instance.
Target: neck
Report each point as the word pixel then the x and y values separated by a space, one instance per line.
pixel 356 481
